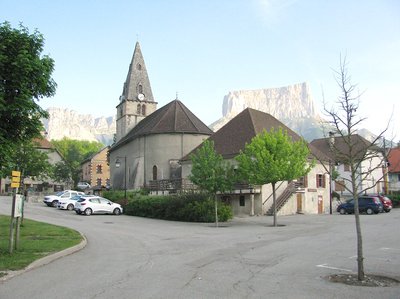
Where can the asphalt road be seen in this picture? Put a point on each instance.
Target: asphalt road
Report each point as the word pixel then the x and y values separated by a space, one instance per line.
pixel 133 257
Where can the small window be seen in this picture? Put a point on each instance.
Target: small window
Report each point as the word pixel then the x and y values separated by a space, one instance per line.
pixel 98 182
pixel 144 110
pixel 140 88
pixel 346 167
pixel 99 169
pixel 154 173
pixel 241 200
pixel 138 109
pixel 139 66
pixel 320 181
pixel 303 181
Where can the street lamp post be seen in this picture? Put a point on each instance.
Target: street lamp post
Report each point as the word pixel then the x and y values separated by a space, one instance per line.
pixel 117 165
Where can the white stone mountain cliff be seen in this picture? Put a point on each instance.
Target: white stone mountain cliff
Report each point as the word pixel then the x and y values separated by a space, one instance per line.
pixel 69 123
pixel 293 105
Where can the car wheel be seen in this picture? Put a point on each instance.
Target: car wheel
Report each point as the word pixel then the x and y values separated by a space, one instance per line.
pixel 117 211
pixel 70 207
pixel 54 203
pixel 88 212
pixel 78 212
pixel 369 211
pixel 342 211
pixel 387 211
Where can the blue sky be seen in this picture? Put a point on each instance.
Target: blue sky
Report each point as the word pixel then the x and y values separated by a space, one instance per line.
pixel 204 49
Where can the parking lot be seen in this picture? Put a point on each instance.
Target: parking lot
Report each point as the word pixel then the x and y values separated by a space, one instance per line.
pixel 133 257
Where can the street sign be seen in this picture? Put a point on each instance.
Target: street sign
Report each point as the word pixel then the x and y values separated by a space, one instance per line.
pixel 19 201
pixel 16 173
pixel 16 179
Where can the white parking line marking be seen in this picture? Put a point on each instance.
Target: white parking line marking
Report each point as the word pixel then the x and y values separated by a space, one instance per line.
pixel 387 248
pixel 333 268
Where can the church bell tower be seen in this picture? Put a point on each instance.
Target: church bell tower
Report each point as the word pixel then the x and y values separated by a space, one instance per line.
pixel 136 101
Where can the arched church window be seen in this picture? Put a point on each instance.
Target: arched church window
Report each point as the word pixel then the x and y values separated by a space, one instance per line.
pixel 143 109
pixel 154 173
pixel 139 66
pixel 138 109
pixel 140 88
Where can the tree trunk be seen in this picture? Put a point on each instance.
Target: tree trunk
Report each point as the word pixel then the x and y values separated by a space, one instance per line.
pixel 360 257
pixel 274 204
pixel 216 210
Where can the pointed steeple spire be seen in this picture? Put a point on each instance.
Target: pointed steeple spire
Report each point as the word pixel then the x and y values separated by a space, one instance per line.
pixel 137 84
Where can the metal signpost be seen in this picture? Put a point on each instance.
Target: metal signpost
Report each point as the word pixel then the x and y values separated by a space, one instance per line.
pixel 16 211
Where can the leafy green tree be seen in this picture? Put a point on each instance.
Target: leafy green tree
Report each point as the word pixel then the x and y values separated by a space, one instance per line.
pixel 32 162
pixel 61 172
pixel 74 153
pixel 25 78
pixel 272 157
pixel 211 173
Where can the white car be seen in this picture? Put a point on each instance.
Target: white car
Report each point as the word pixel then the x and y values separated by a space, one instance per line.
pixel 69 203
pixel 52 200
pixel 89 205
pixel 83 185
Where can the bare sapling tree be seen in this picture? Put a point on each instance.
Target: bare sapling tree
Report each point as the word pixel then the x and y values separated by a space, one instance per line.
pixel 364 159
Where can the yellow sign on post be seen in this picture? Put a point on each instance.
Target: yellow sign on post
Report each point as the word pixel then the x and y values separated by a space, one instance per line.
pixel 16 179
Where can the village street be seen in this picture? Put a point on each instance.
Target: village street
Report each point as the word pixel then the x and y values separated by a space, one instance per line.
pixel 133 257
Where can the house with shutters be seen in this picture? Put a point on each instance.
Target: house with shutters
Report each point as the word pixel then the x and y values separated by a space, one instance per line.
pixel 372 167
pixel 309 194
pixel 95 169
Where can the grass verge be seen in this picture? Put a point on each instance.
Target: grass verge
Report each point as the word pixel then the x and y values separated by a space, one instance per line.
pixel 37 239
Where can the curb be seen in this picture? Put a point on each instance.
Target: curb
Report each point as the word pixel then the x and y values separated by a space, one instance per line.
pixel 47 259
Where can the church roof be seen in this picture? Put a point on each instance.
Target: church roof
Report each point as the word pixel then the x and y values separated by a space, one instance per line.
pixel 174 117
pixel 232 138
pixel 137 80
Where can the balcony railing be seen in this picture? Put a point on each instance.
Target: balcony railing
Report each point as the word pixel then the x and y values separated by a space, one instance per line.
pixel 185 185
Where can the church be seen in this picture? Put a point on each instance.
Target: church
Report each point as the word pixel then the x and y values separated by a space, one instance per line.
pixel 153 147
pixel 150 141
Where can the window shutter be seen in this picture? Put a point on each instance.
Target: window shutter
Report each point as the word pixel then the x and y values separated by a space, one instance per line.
pixel 324 181
pixel 305 181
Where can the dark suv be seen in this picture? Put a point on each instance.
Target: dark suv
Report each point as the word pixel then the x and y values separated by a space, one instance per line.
pixel 367 204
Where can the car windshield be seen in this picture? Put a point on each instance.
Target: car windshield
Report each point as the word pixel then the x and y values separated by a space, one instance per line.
pixel 59 193
pixel 76 197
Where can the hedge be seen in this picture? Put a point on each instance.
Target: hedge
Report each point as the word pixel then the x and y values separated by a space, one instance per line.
pixel 187 207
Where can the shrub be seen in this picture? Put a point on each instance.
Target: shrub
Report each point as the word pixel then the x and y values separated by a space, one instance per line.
pixel 395 198
pixel 187 207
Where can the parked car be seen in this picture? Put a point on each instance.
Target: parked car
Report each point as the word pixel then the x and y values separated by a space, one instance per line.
pixel 52 200
pixel 366 204
pixel 69 203
pixel 386 202
pixel 89 205
pixel 83 185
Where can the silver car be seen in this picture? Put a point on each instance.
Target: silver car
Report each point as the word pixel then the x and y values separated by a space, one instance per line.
pixel 89 205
